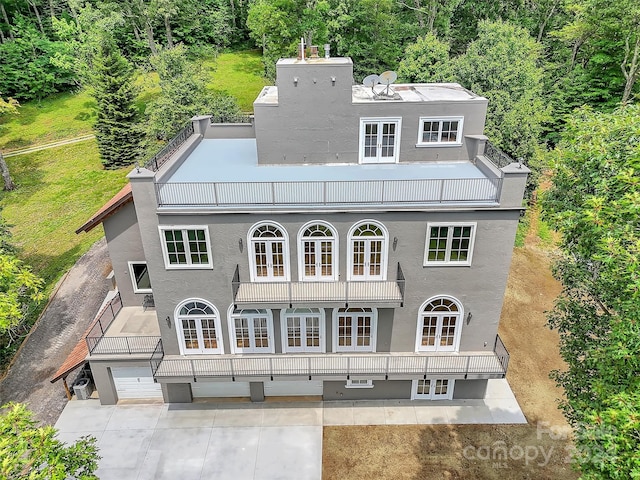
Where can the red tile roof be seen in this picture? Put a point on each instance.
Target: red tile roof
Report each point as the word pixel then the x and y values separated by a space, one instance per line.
pixel 121 198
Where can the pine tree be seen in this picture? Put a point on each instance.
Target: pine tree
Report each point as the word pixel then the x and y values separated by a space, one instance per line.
pixel 116 127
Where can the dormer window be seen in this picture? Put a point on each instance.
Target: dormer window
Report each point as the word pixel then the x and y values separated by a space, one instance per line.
pixel 379 140
pixel 440 131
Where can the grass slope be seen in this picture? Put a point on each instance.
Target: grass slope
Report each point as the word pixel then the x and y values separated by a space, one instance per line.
pixel 239 74
pixel 59 189
pixel 60 116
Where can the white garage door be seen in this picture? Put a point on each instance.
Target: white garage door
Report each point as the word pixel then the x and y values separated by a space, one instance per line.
pixel 220 389
pixel 135 382
pixel 290 389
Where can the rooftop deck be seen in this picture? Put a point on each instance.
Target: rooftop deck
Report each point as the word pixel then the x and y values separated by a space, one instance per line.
pixel 208 178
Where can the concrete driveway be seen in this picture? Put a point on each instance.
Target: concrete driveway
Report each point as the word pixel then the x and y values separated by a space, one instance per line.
pixel 200 441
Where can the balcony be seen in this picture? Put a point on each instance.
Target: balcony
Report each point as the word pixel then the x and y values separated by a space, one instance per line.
pixel 367 293
pixel 334 366
pixel 124 331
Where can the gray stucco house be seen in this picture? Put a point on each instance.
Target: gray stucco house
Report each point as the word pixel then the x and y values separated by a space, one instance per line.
pixel 347 242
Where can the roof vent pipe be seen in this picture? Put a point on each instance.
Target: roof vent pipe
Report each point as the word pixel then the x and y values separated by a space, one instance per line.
pixel 301 50
pixel 327 48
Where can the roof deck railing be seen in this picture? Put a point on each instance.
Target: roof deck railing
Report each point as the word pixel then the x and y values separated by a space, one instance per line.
pixel 330 193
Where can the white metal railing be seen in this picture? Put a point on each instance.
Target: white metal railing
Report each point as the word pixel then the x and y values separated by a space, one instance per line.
pixel 328 365
pixel 330 193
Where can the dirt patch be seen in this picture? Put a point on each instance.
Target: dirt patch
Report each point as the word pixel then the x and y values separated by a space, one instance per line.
pixel 538 450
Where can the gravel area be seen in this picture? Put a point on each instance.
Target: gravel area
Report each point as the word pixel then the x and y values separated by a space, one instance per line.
pixel 71 308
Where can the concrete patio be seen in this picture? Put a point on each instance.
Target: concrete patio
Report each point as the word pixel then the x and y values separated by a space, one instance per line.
pixel 252 441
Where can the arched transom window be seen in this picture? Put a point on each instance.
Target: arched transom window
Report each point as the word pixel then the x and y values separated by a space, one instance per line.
pixel 439 325
pixel 318 252
pixel 368 252
pixel 198 326
pixel 269 252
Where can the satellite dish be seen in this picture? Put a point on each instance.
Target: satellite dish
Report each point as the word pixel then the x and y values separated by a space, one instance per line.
pixel 371 81
pixel 388 77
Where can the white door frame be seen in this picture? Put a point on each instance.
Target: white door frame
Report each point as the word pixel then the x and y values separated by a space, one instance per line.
pixel 433 384
pixel 285 314
pixel 317 242
pixel 252 316
pixel 368 240
pixel 439 315
pixel 353 315
pixel 177 318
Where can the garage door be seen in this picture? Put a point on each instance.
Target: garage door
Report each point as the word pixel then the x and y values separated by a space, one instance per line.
pixel 220 389
pixel 135 382
pixel 290 389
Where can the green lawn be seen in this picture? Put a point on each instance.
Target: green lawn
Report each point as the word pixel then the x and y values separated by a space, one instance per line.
pixel 239 74
pixel 60 116
pixel 59 189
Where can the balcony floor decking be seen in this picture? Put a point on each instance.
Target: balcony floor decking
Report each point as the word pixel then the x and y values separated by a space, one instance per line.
pixel 134 330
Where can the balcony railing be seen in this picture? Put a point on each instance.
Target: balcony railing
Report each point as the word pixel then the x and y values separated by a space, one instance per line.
pixel 333 366
pixel 304 293
pixel 123 345
pixel 330 193
pixel 497 156
pixel 106 316
pixel 170 148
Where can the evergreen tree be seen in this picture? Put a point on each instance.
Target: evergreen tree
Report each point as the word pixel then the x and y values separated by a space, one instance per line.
pixel 116 128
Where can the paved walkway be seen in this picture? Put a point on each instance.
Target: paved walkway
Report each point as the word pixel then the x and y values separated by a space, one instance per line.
pixel 70 310
pixel 252 441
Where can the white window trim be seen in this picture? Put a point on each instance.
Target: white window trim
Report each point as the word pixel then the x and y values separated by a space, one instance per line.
pixel 188 265
pixel 232 331
pixel 350 383
pixel 472 241
pixel 334 333
pixel 396 147
pixel 383 259
pixel 284 336
pixel 133 277
pixel 334 253
pixel 456 342
pixel 252 256
pixel 459 136
pixel 450 387
pixel 218 326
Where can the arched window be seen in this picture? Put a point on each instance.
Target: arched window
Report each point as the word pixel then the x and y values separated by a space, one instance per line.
pixel 439 325
pixel 251 330
pixel 318 252
pixel 269 252
pixel 198 326
pixel 355 330
pixel 302 330
pixel 368 251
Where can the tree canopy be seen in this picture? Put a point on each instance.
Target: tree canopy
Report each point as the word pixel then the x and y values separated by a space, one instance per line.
pixel 31 452
pixel 594 202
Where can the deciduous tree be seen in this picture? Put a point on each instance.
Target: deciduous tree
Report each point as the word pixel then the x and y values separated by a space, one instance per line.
pixel 504 65
pixel 426 60
pixel 28 451
pixel 594 202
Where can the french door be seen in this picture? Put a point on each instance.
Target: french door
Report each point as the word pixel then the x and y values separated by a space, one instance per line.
pixel 439 325
pixel 269 256
pixel 379 140
pixel 303 331
pixel 199 335
pixel 318 260
pixel 355 330
pixel 367 259
pixel 432 389
pixel 252 332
